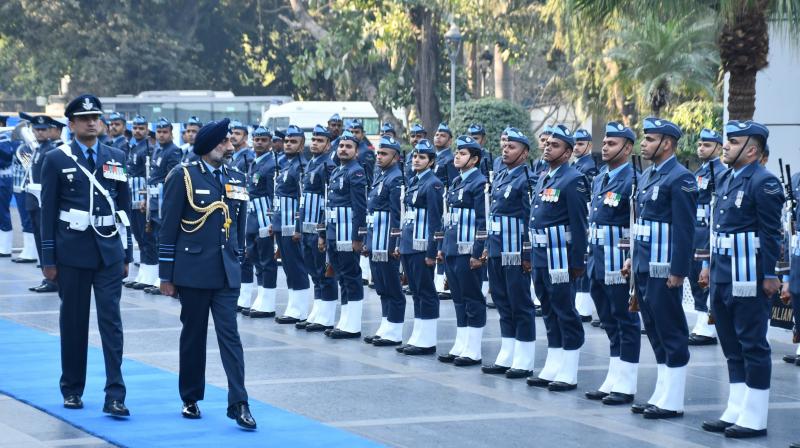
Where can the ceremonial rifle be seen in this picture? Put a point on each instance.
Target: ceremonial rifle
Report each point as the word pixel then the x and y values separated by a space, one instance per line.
pixel 148 226
pixel 398 232
pixel 628 243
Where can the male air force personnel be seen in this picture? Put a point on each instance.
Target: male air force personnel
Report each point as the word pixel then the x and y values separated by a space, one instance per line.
pixel 383 208
pixel 509 265
pixel 242 155
pixel 139 157
pixel 346 211
pixel 86 244
pixel 666 206
pixel 609 221
pixel 423 218
pixel 461 252
pixel 116 132
pixel 7 148
pixel 190 129
pixel 585 163
pixel 708 147
pixel 558 240
pixel 745 244
pixel 200 250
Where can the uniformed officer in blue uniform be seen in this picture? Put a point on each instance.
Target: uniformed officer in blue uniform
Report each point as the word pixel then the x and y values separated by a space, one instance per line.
pixel 666 206
pixel 21 173
pixel 791 283
pixel 201 245
pixel 461 252
pixel 277 146
pixel 477 132
pixel 116 132
pixel 609 222
pixel 509 264
pixel 444 169
pixel 346 210
pixel 288 187
pixel 383 215
pixel 243 155
pixel 335 125
pixel 415 134
pixel 423 218
pixel 584 162
pixel 7 148
pixel 366 154
pixel 190 129
pixel 558 240
pixel 745 241
pixel 260 244
pixel 388 130
pixel 312 211
pixel 86 249
pixel 540 165
pixel 165 157
pixel 708 148
pixel 139 157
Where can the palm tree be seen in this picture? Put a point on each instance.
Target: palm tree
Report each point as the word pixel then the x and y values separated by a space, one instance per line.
pixel 658 57
pixel 743 39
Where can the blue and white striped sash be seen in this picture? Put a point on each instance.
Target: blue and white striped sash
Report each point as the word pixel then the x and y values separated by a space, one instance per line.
pixel 137 186
pixel 312 211
pixel 796 244
pixel 614 257
pixel 260 208
pixel 464 218
pixel 510 230
pixel 555 240
pixel 342 217
pixel 659 235
pixel 381 227
pixel 19 174
pixel 286 210
pixel 420 237
pixel 703 213
pixel 743 249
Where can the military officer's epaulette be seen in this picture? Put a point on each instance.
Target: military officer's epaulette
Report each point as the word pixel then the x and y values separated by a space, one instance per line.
pixel 233 168
pixel 188 162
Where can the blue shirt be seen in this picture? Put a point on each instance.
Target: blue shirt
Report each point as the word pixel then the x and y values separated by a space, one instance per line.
pixel 466 174
pixel 85 149
pixel 657 166
pixel 613 173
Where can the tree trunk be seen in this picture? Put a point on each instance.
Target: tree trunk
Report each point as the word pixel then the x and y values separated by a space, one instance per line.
pixel 741 95
pixel 503 84
pixel 426 71
pixel 474 71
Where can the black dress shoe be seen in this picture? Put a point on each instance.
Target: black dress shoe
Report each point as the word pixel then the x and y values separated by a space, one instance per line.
pixel 494 369
pixel 596 323
pixel 596 395
pixel 463 361
pixel 371 339
pixel 791 359
pixel 537 310
pixel 518 373
pixel 586 319
pixel 153 290
pixel 116 408
pixel 337 333
pixel 246 312
pixel 444 296
pixel 5 255
pixel 301 325
pixel 617 398
pixel 190 410
pixel 286 320
pixel 797 361
pixel 696 339
pixel 23 260
pixel 399 348
pixel 639 408
pixel 740 432
pixel 314 327
pixel 413 350
pixel 33 288
pixel 406 291
pixel 794 445
pixel 535 381
pixel 656 413
pixel 491 305
pixel 381 342
pixel 45 288
pixel 260 314
pixel 140 286
pixel 560 386
pixel 73 402
pixel 128 284
pixel 447 359
pixel 716 425
pixel 241 413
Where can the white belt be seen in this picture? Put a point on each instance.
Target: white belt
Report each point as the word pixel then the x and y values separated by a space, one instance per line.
pixel 331 214
pixel 34 189
pixel 370 219
pixel 409 216
pixel 153 191
pixel 701 214
pixel 726 242
pixel 446 217
pixel 641 230
pixel 82 218
pixel 540 238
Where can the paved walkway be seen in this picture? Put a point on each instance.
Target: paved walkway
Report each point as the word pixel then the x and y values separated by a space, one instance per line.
pixel 399 400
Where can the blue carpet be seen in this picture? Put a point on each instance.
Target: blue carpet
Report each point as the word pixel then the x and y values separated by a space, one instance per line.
pixel 30 367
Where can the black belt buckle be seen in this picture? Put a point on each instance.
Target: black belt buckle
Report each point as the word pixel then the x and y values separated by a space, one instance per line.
pixel 624 244
pixel 702 254
pixel 438 236
pixel 362 231
pixel 395 232
pixel 481 235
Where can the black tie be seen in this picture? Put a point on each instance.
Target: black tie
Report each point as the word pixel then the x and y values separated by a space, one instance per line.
pixel 414 181
pixel 457 182
pixel 218 175
pixel 90 159
pixel 605 180
pixel 653 175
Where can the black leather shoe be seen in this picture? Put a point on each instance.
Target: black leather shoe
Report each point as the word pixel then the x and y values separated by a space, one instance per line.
pixel 740 432
pixel 241 413
pixel 314 327
pixel 596 323
pixel 45 288
pixel 413 350
pixel 447 359
pixel 116 408
pixel 518 373
pixel 656 413
pixel 617 398
pixel 260 314
pixel 341 334
pixel 400 348
pixel 381 342
pixel 535 381
pixel 301 325
pixel 444 296
pixel 153 290
pixel 286 320
pixel 794 445
pixel 494 369
pixel 33 288
pixel 140 286
pixel 463 361
pixel 696 339
pixel 797 361
pixel 491 305
pixel 586 319
pixel 560 386
pixel 716 425
pixel 190 410
pixel 23 260
pixel 129 284
pixel 596 395
pixel 639 408
pixel 246 312
pixel 791 359
pixel 537 310
pixel 5 255
pixel 73 402
pixel 371 339
pixel 406 291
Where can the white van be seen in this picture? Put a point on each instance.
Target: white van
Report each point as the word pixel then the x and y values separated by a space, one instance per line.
pixel 307 114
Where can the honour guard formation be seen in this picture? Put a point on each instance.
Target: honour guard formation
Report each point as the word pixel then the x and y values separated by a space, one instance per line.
pixel 564 233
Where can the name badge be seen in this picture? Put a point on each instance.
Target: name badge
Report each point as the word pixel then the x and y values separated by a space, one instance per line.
pixel 655 193
pixel 508 192
pixel 68 170
pixel 495 226
pixel 114 172
pixel 236 192
pixel 739 197
pixel 202 191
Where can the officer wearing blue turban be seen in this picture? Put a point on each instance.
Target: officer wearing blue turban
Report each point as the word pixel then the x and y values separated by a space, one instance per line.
pixel 201 247
pixel 666 206
pixel 745 241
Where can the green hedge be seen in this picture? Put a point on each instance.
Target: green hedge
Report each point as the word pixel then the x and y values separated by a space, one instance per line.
pixel 494 115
